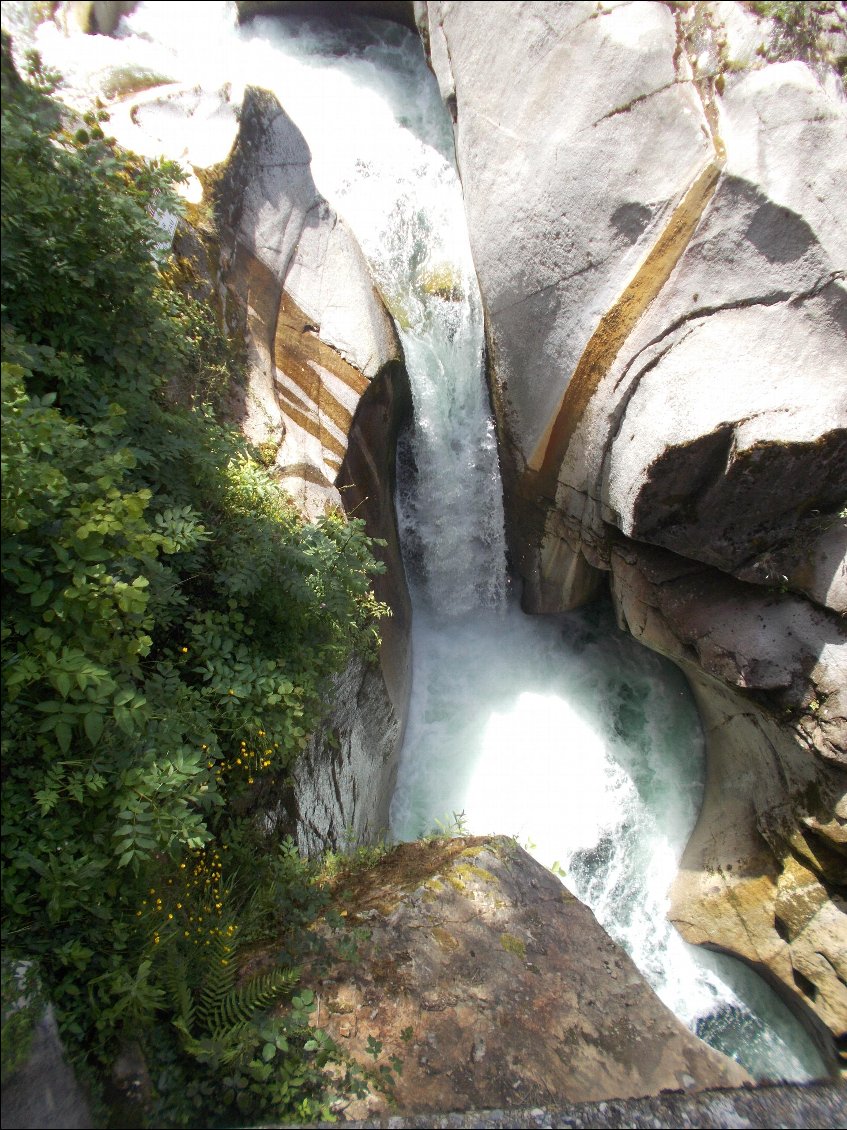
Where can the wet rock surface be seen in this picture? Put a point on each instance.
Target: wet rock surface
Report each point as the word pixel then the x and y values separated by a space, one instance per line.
pixel 765 868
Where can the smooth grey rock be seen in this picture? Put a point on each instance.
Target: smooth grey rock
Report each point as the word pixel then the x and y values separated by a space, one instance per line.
pixel 782 647
pixel 720 431
pixel 318 331
pixel 660 242
pixel 268 190
pixel 787 134
pixel 725 416
pixel 729 442
pixel 736 888
pixel 575 136
pixel 337 339
pixel 261 201
pixel 44 1093
pixel 330 281
pixel 564 218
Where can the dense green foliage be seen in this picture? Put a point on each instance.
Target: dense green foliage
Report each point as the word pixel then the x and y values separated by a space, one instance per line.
pixel 168 626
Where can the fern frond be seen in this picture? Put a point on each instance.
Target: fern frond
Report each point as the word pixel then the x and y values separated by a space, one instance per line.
pixel 242 1002
pixel 176 978
pixel 215 1020
pixel 218 1051
pixel 217 984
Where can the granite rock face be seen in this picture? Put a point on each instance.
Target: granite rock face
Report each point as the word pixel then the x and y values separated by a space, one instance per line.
pixel 720 429
pixel 655 203
pixel 494 986
pixel 764 871
pixel 317 331
pixel 327 395
pixel 569 172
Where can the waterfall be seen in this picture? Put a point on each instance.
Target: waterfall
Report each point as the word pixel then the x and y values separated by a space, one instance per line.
pixel 557 730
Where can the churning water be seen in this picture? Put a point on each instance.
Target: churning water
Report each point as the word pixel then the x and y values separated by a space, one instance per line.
pixel 557 730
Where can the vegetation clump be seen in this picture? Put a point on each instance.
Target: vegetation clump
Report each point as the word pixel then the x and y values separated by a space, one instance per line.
pixel 813 31
pixel 168 626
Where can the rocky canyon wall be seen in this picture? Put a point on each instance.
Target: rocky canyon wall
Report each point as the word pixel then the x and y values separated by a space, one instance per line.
pixel 592 162
pixel 655 200
pixel 326 395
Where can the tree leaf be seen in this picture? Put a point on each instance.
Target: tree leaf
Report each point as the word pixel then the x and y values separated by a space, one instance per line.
pixel 63 736
pixel 93 724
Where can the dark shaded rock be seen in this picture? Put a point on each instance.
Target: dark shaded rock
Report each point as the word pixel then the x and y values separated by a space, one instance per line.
pixel 338 11
pixel 44 1093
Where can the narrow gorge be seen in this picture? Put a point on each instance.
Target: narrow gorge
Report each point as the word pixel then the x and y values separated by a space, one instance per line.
pixel 552 296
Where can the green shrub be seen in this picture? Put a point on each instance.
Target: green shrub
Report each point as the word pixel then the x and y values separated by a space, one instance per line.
pixel 168 626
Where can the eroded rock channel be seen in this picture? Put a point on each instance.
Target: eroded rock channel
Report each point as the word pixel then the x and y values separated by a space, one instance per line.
pixel 654 225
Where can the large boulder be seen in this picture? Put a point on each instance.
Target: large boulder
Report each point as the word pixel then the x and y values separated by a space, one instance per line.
pixel 479 981
pixel 662 269
pixel 575 137
pixel 720 429
pixel 654 196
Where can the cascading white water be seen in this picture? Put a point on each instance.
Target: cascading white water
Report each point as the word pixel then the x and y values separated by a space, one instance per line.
pixel 558 730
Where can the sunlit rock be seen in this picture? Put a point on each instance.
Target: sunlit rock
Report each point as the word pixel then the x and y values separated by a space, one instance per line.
pixel 324 368
pixel 575 137
pixel 318 331
pixel 479 981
